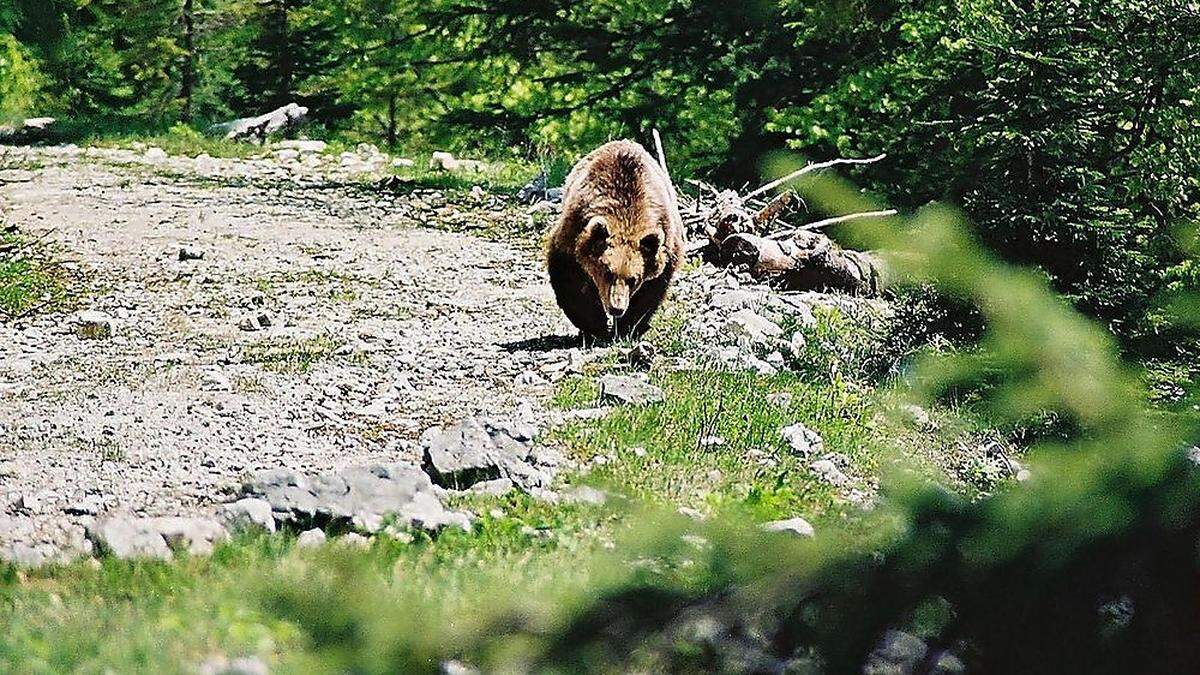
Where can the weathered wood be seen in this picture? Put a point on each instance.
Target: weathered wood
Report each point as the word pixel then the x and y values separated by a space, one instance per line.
pixel 281 120
pixel 810 261
pixel 809 169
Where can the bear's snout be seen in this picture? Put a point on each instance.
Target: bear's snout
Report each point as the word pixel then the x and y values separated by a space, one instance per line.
pixel 618 300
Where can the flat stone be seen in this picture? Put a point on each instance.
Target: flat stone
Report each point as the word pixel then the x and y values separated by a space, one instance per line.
pixel 354 540
pixel 830 473
pixel 747 323
pixel 255 322
pixel 478 451
pixel 311 538
pixel 735 299
pixel 248 514
pixel 190 253
pixel 93 325
pixel 797 526
pixel 359 498
pixel 129 538
pixel 302 145
pixel 628 390
pixel 197 536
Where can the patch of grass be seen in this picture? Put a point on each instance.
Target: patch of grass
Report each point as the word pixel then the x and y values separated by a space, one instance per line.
pixel 330 284
pixel 288 355
pixel 500 177
pixel 180 140
pixel 716 442
pixel 250 595
pixel 29 280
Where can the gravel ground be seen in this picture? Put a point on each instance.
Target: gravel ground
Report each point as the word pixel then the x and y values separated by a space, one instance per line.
pixel 380 325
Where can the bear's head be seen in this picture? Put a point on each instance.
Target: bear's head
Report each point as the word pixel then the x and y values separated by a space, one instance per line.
pixel 621 256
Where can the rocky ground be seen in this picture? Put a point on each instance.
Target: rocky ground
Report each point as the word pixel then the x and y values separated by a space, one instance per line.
pixel 238 316
pixel 288 342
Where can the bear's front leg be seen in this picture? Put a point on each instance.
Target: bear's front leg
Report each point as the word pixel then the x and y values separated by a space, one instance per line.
pixel 577 296
pixel 643 305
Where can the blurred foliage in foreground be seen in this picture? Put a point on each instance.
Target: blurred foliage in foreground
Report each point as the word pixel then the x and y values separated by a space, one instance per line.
pixel 1089 565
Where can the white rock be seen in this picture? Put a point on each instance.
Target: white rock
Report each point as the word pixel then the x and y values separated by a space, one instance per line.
pixel 354 540
pixel 830 473
pixel 195 535
pixel 310 538
pixel 803 441
pixel 746 323
pixel 155 154
pixel 443 161
pixel 796 526
pixel 248 514
pixel 304 146
pixel 916 416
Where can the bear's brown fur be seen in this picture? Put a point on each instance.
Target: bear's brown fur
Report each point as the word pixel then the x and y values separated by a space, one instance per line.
pixel 618 242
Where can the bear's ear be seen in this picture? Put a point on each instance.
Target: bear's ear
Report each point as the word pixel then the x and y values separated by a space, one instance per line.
pixel 594 238
pixel 650 244
pixel 596 227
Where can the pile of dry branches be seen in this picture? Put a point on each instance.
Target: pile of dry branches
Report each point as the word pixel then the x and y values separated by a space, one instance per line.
pixel 755 230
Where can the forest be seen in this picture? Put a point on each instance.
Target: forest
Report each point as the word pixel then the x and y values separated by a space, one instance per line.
pixel 1044 159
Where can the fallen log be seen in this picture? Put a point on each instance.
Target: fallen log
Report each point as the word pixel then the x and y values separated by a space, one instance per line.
pixel 809 261
pixel 31 130
pixel 258 129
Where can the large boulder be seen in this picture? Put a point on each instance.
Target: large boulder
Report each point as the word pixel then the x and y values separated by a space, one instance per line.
pixel 629 390
pixel 478 451
pixel 131 537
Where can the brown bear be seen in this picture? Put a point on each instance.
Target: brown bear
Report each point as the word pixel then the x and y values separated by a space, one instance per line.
pixel 618 242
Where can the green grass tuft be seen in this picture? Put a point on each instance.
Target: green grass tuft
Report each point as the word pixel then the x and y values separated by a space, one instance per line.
pixel 29 280
pixel 290 355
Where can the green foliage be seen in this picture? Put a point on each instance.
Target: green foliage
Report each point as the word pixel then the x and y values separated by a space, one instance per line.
pixel 1065 130
pixel 21 80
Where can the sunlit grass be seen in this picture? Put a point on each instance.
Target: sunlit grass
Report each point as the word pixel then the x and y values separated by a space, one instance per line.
pixel 29 280
pixel 290 355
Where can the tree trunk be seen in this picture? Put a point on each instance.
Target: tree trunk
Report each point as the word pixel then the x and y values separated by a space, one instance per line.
pixel 189 62
pixel 391 121
pixel 283 58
